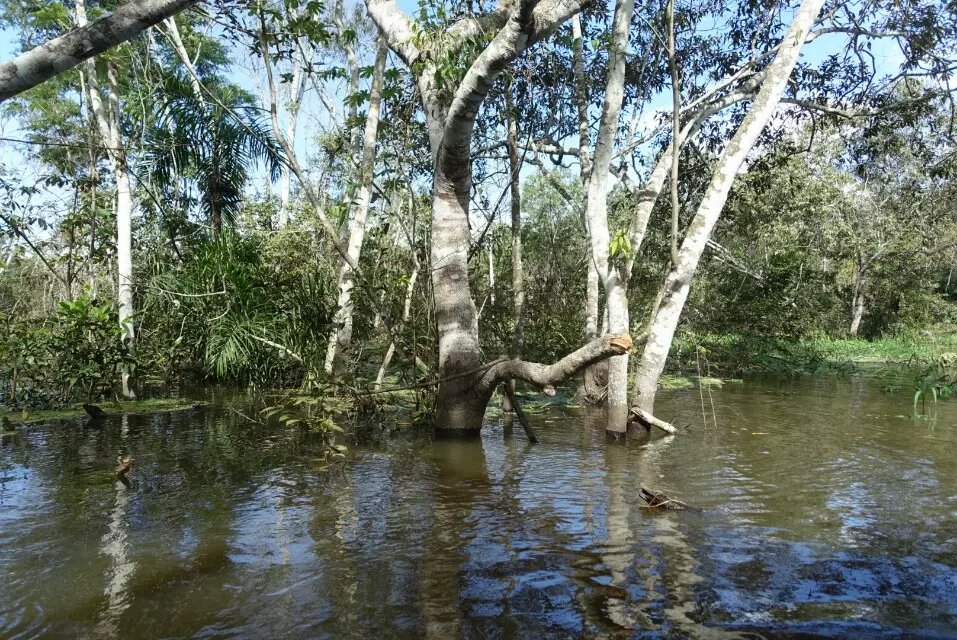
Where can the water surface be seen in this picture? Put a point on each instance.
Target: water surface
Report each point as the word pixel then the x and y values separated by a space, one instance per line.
pixel 822 509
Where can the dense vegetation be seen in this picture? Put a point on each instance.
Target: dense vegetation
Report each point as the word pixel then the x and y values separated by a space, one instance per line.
pixel 278 239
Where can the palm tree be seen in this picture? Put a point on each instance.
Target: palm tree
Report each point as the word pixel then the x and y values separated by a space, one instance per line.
pixel 212 143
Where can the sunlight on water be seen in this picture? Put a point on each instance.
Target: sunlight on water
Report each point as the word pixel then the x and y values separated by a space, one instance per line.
pixel 821 508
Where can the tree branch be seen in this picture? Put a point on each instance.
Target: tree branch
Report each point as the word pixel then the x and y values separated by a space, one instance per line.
pixel 67 51
pixel 396 28
pixel 546 376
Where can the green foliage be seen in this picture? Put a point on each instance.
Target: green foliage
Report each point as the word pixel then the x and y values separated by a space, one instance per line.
pixel 75 353
pixel 314 408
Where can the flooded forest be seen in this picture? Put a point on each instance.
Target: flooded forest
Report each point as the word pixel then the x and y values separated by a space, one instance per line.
pixel 478 319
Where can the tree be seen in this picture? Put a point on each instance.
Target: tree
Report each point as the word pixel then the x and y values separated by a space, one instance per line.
pixel 678 282
pixel 451 96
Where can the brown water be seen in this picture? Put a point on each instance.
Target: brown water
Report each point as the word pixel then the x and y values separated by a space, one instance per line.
pixel 822 509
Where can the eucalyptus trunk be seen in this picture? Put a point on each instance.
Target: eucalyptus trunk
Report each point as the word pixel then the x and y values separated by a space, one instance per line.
pixel 677 284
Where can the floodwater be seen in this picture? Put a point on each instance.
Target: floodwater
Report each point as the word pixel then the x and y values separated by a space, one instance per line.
pixel 821 508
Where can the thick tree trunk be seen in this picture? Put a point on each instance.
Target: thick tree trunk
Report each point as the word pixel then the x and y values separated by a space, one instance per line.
pixel 678 282
pixel 596 214
pixel 341 336
pixel 466 385
pixel 69 50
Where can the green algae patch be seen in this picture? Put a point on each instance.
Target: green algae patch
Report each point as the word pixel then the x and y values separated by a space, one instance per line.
pixel 128 407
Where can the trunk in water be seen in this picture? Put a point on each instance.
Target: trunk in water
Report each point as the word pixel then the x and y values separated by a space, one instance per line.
pixel 678 282
pixel 341 336
pixel 466 381
pixel 106 116
pixel 596 214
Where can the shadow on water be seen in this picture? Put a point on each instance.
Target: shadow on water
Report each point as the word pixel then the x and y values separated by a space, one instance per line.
pixel 823 509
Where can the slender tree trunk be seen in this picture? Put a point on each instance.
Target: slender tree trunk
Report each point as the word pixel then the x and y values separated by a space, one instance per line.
pixel 518 272
pixel 341 337
pixel 406 315
pixel 678 282
pixel 106 116
pixel 596 213
pixel 857 300
pixel 594 377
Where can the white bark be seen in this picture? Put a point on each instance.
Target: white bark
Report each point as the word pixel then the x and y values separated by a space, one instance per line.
pixel 596 214
pixel 857 301
pixel 678 282
pixel 69 50
pixel 341 336
pixel 106 117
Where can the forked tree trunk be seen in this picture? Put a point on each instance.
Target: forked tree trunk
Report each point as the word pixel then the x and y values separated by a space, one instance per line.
pixel 341 336
pixel 466 384
pixel 596 213
pixel 678 282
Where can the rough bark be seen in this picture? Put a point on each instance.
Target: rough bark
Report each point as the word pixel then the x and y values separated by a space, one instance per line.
pixel 67 51
pixel 678 282
pixel 340 338
pixel 596 213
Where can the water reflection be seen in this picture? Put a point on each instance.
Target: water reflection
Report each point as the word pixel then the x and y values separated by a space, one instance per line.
pixel 820 512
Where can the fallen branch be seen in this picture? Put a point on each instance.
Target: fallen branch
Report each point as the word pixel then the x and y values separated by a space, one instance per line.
pixel 520 413
pixel 649 420
pixel 658 500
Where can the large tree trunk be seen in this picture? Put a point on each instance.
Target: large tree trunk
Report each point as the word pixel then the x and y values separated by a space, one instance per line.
pixel 596 214
pixel 61 54
pixel 678 282
pixel 341 336
pixel 466 385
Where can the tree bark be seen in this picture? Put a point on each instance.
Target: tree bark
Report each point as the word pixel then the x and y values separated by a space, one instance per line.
pixel 857 300
pixel 340 338
pixel 596 213
pixel 678 282
pixel 466 385
pixel 106 116
pixel 67 51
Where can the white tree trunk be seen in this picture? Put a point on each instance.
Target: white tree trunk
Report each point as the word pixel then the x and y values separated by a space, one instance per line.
pixel 678 282
pixel 106 116
pixel 69 50
pixel 596 215
pixel 857 301
pixel 341 336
